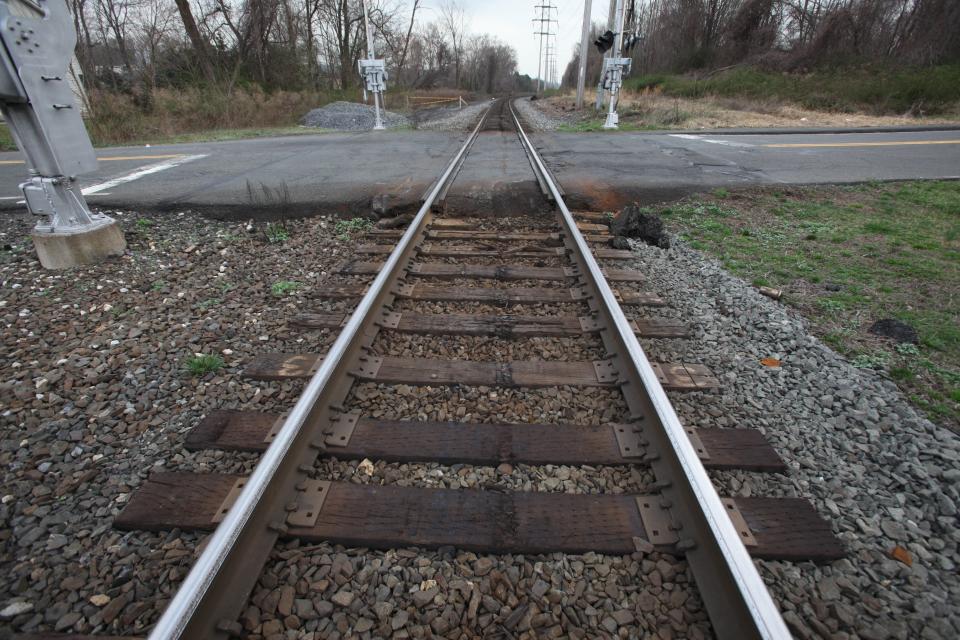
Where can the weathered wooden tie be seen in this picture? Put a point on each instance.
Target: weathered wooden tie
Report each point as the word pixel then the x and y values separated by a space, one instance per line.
pixel 351 436
pixel 446 271
pixel 524 373
pixel 489 251
pixel 491 236
pixel 388 517
pixel 491 295
pixel 505 326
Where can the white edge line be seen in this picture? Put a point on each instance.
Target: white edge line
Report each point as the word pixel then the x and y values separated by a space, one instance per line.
pixel 136 175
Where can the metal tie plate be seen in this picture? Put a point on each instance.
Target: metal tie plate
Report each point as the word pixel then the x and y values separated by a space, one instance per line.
pixel 656 521
pixel 309 503
pixel 341 429
pixel 697 443
pixel 403 290
pixel 589 324
pixel 275 428
pixel 739 523
pixel 367 367
pixel 579 293
pixel 390 320
pixel 628 439
pixel 606 371
pixel 232 496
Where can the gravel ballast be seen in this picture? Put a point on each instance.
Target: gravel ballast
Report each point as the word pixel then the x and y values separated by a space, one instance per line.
pixel 350 116
pixel 94 397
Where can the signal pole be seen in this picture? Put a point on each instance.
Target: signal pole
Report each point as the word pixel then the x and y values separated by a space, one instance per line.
pixel 377 121
pixel 584 37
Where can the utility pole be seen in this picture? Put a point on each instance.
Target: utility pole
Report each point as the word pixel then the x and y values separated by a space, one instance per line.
pixel 543 23
pixel 584 36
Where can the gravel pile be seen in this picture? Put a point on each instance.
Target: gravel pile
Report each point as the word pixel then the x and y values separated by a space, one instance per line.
pixel 883 475
pixel 533 117
pixel 449 118
pixel 350 116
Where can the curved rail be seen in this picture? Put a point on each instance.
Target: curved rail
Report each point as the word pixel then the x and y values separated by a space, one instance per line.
pixel 205 604
pixel 739 604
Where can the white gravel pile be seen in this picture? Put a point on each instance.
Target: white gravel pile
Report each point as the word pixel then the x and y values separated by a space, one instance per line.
pixel 449 118
pixel 534 117
pixel 350 116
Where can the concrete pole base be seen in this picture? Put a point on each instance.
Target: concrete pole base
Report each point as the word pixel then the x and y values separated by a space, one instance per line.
pixel 65 249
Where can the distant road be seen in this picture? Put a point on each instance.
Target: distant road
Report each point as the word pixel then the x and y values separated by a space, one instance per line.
pixel 341 171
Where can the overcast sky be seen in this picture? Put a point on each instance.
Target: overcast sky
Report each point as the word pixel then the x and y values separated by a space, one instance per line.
pixel 511 21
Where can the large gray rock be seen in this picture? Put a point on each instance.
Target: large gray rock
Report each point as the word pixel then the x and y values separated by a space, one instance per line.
pixel 635 222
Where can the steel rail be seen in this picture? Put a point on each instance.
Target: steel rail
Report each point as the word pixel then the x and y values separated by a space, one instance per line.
pixel 204 606
pixel 736 598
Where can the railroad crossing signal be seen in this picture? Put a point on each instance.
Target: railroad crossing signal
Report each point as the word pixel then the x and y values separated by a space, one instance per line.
pixel 37 102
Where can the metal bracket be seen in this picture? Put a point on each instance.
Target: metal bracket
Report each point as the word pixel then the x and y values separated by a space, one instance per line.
pixel 309 503
pixel 390 320
pixel 606 371
pixel 697 443
pixel 628 439
pixel 232 496
pixel 368 367
pixel 739 523
pixel 589 324
pixel 414 268
pixel 275 428
pixel 656 521
pixel 315 366
pixel 341 429
pixel 403 290
pixel 571 272
pixel 579 293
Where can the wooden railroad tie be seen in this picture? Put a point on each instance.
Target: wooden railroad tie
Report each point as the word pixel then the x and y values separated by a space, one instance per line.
pixel 523 373
pixel 388 517
pixel 489 251
pixel 351 436
pixel 490 295
pixel 490 236
pixel 489 271
pixel 506 326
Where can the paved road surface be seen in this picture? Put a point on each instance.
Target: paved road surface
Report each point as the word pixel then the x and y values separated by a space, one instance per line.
pixel 341 171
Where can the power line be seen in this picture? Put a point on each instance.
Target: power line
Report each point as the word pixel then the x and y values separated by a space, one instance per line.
pixel 543 26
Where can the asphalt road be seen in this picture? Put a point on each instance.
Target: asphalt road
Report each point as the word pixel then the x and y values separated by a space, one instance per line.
pixel 343 171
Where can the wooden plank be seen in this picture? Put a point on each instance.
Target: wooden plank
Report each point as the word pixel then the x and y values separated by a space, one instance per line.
pixel 684 376
pixel 494 296
pixel 491 236
pixel 504 326
pixel 444 251
pixel 592 216
pixel 452 224
pixel 429 372
pixel 593 226
pixel 489 444
pixel 388 517
pixel 446 271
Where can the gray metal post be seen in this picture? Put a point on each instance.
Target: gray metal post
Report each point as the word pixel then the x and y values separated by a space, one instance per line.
pixel 584 48
pixel 37 102
pixel 377 121
pixel 616 70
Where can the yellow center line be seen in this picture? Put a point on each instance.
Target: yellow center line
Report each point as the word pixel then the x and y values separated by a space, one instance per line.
pixel 859 144
pixel 115 158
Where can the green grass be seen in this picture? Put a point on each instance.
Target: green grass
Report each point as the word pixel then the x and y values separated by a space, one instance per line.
pixel 283 287
pixel 927 90
pixel 596 124
pixel 276 233
pixel 847 256
pixel 346 228
pixel 202 364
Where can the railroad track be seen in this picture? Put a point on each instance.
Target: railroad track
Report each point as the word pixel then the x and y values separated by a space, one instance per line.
pixel 444 278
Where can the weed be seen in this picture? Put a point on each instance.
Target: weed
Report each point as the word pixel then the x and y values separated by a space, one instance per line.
pixel 345 228
pixel 871 361
pixel 143 224
pixel 276 233
pixel 283 287
pixel 881 228
pixel 211 302
pixel 907 349
pixel 902 374
pixel 158 285
pixel 721 193
pixel 203 363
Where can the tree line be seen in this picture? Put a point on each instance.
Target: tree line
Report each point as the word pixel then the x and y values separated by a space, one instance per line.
pixel 294 45
pixel 786 35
